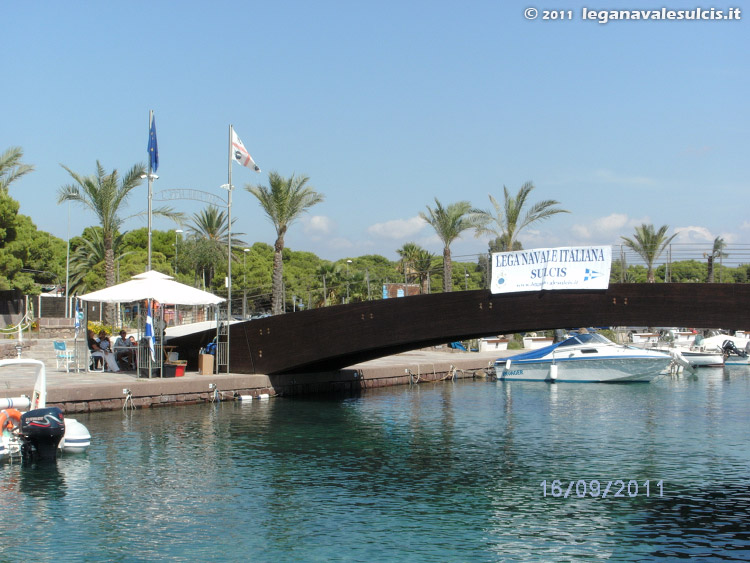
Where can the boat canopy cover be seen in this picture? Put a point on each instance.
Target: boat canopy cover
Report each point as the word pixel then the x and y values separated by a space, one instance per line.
pixel 577 340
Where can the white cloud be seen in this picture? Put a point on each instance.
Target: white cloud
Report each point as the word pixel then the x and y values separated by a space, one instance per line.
pixel 604 228
pixel 397 229
pixel 693 234
pixel 729 238
pixel 611 223
pixel 318 225
pixel 581 231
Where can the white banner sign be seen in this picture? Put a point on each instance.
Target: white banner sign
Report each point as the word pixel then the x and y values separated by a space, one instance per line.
pixel 570 267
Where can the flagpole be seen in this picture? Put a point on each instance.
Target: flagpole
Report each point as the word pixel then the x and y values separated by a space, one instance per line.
pixel 150 187
pixel 67 269
pixel 229 242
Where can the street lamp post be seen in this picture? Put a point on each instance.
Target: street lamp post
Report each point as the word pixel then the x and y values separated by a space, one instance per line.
pixel 176 233
pixel 67 267
pixel 151 177
pixel 229 187
pixel 347 280
pixel 244 283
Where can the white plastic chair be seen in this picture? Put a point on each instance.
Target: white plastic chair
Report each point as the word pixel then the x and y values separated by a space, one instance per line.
pixel 63 356
pixel 92 363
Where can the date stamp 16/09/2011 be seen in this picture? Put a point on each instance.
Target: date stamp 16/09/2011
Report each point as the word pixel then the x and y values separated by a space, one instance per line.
pixel 618 488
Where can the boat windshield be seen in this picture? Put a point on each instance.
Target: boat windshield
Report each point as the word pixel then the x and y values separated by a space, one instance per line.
pixel 577 340
pixel 584 339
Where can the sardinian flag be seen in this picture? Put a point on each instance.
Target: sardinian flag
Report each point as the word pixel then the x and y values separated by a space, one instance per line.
pixel 150 331
pixel 240 155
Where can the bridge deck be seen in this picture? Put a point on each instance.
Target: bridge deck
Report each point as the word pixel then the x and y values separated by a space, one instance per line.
pixel 335 337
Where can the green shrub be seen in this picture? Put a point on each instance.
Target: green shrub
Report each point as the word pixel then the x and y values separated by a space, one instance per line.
pixel 98 327
pixel 515 342
pixel 609 334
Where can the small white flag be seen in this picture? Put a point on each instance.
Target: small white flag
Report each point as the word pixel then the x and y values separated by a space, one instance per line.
pixel 239 153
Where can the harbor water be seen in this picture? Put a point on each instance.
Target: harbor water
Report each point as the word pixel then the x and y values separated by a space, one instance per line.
pixel 466 471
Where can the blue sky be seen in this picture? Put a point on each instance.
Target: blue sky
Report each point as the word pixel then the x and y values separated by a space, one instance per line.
pixel 386 106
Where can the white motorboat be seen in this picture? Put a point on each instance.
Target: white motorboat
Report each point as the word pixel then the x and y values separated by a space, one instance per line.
pixel 692 358
pixel 585 358
pixel 697 359
pixel 681 346
pixel 735 349
pixel 41 431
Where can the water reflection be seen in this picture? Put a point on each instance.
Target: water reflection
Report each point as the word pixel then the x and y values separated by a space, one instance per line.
pixel 431 472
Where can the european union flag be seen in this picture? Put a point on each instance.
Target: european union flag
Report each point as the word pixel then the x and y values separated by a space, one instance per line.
pixel 153 149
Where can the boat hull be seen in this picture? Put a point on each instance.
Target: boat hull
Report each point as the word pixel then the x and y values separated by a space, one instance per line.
pixel 703 360
pixel 74 436
pixel 593 370
pixel 736 361
pixel 695 359
pixel 742 346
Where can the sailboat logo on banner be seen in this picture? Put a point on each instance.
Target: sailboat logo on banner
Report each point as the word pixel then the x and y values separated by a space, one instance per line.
pixel 591 275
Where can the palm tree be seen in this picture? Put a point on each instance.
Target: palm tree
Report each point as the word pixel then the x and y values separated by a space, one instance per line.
pixel 88 255
pixel 106 195
pixel 409 254
pixel 649 245
pixel 416 261
pixel 11 167
pixel 326 272
pixel 449 222
pixel 716 252
pixel 211 224
pixel 505 224
pixel 283 202
pixel 357 287
pixel 423 267
pixel 500 244
pixel 208 236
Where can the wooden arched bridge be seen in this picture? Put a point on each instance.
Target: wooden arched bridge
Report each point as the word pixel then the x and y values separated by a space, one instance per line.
pixel 331 338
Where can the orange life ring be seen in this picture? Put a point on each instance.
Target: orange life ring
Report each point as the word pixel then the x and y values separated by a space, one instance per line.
pixel 9 418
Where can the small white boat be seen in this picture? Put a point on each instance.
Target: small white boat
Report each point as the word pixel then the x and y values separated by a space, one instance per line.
pixel 42 431
pixel 694 358
pixel 585 358
pixel 702 359
pixel 681 346
pixel 735 349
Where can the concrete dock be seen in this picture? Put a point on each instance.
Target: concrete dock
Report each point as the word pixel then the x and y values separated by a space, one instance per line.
pixel 88 392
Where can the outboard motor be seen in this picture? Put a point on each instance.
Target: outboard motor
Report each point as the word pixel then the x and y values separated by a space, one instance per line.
pixel 41 432
pixel 729 349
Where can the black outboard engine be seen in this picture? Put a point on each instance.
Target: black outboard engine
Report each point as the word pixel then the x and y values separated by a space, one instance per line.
pixel 41 432
pixel 730 349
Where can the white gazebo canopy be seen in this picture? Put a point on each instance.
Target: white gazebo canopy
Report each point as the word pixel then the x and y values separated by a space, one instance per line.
pixel 153 285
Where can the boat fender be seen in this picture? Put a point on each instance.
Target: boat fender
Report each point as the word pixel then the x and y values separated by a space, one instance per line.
pixel 507 364
pixel 553 372
pixel 9 418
